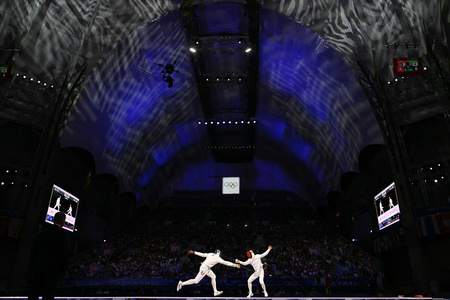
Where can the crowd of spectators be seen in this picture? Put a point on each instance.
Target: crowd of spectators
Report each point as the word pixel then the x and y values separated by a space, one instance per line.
pixel 160 249
pixel 141 254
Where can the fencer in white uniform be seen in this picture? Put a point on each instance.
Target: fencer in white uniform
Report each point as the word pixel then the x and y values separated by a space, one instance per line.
pixel 255 261
pixel 205 269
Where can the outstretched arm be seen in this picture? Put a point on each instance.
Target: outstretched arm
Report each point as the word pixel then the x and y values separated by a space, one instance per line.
pixel 198 253
pixel 267 251
pixel 229 263
pixel 244 263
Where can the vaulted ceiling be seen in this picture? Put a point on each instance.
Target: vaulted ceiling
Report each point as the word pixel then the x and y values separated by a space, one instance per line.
pixel 271 93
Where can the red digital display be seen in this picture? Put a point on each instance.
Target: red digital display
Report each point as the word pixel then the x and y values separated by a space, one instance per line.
pixel 408 66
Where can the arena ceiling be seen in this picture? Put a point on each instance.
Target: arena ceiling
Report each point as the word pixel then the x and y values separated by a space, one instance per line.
pixel 296 117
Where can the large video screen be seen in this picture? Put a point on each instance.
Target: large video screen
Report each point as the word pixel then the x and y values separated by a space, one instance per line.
pixel 61 200
pixel 230 185
pixel 386 206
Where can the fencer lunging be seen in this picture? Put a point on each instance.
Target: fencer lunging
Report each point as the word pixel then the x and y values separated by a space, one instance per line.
pixel 205 269
pixel 255 261
pixel 58 203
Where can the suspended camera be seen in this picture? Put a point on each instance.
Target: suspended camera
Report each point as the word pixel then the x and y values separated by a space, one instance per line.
pixel 169 69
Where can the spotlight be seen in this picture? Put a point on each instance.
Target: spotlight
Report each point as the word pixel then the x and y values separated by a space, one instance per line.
pixel 248 50
pixel 217 78
pixel 192 50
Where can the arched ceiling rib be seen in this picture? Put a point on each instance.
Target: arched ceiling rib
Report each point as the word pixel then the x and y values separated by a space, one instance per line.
pixel 313 118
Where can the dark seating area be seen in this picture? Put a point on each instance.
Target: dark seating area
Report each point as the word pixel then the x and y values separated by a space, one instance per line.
pixel 155 256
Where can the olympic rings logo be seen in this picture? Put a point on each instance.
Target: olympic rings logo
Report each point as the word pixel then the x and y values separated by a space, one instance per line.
pixel 230 185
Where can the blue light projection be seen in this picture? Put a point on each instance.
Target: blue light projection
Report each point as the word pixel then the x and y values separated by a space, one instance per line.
pixel 221 17
pixel 308 113
pixel 272 127
pixel 277 130
pixel 265 179
pixel 198 176
pixel 297 145
pixel 163 152
pixel 144 123
pixel 308 85
pixel 188 135
pixel 147 174
pixel 291 75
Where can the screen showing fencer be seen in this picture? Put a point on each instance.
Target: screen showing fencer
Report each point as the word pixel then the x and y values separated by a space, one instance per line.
pixel 61 200
pixel 230 185
pixel 386 206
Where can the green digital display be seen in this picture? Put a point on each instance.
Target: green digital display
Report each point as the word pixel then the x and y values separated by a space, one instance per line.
pixel 407 66
pixel 5 72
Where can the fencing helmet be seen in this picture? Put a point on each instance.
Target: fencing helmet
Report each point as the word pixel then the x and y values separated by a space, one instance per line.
pixel 250 254
pixel 218 252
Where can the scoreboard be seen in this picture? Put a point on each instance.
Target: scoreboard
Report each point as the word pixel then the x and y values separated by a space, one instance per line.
pixel 407 66
pixel 5 72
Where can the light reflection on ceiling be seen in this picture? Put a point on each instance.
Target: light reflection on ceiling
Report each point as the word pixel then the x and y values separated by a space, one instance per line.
pixel 312 116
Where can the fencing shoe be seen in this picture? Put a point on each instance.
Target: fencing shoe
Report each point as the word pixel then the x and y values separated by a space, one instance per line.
pixel 179 286
pixel 250 295
pixel 218 293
